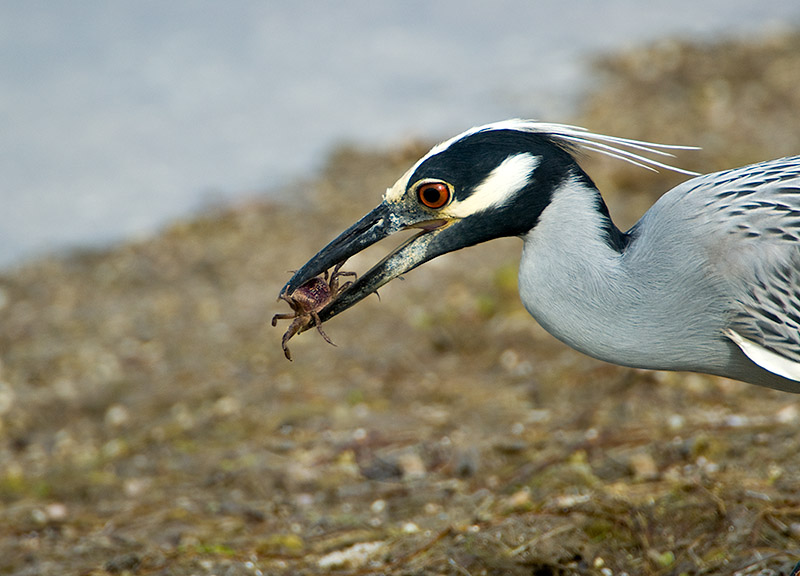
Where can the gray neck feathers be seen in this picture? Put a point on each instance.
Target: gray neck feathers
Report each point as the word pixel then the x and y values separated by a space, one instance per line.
pixel 647 306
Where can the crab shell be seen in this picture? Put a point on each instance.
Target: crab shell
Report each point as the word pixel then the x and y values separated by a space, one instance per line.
pixel 310 297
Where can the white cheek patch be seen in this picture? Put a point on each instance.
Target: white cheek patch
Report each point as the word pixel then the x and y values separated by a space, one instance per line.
pixel 498 188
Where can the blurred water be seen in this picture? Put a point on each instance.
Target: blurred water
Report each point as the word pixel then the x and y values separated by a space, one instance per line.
pixel 117 117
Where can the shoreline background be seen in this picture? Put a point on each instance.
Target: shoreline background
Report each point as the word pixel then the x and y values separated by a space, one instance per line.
pixel 121 118
pixel 150 424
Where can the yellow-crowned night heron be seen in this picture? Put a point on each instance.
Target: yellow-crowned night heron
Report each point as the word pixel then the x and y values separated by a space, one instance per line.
pixel 707 281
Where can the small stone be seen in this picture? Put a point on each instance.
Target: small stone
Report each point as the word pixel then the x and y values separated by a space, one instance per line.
pixel 38 516
pixel 787 414
pixel 737 421
pixel 412 465
pixel 353 557
pixel 794 529
pixel 643 467
pixel 304 500
pixel 227 406
pixel 465 462
pixel 123 563
pixel 775 471
pixel 116 416
pixel 538 416
pixel 56 511
pixel 134 487
pixel 380 469
pixel 519 500
pixel 570 500
pixel 676 422
pixel 410 528
pixel 432 508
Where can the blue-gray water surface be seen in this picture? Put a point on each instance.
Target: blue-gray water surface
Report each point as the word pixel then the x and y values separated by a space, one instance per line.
pixel 118 117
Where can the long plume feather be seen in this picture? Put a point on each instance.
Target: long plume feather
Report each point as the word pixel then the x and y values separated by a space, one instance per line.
pixel 625 149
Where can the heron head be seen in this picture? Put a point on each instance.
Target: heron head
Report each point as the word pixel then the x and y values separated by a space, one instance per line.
pixel 488 182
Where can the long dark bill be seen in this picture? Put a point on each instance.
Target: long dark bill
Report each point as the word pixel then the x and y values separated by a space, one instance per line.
pixel 375 226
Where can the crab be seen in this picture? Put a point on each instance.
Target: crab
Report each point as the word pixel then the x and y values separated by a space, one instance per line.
pixel 306 302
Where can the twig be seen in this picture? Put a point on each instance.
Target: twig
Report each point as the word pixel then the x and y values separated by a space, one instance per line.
pixel 439 537
pixel 554 532
pixel 461 569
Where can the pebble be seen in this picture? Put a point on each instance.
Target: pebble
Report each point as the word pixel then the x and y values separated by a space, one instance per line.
pixel 466 462
pixel 38 516
pixel 737 421
pixel 123 563
pixel 56 511
pixel 787 414
pixel 117 416
pixel 794 529
pixel 355 556
pixel 227 406
pixel 134 487
pixel 570 500
pixel 643 467
pixel 410 528
pixel 519 500
pixel 412 465
pixel 432 508
pixel 676 422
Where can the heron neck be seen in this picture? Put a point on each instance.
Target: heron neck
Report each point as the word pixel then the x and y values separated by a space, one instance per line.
pixel 623 303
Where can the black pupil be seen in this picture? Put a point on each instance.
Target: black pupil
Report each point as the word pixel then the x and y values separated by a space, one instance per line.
pixel 432 194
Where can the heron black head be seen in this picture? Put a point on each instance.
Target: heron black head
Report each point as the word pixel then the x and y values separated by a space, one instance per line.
pixel 488 182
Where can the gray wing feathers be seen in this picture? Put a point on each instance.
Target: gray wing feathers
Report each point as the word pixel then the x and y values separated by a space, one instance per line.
pixel 757 209
pixel 770 315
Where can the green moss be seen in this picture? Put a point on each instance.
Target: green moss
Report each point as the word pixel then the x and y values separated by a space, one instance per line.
pixel 664 559
pixel 487 305
pixel 208 549
pixel 12 485
pixel 600 529
pixel 290 544
pixel 355 396
pixel 572 475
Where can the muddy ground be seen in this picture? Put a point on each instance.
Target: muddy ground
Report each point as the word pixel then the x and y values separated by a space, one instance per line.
pixel 149 423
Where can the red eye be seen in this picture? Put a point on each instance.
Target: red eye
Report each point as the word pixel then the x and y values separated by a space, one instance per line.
pixel 433 194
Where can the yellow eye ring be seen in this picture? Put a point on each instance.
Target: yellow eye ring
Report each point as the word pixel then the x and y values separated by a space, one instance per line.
pixel 433 194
